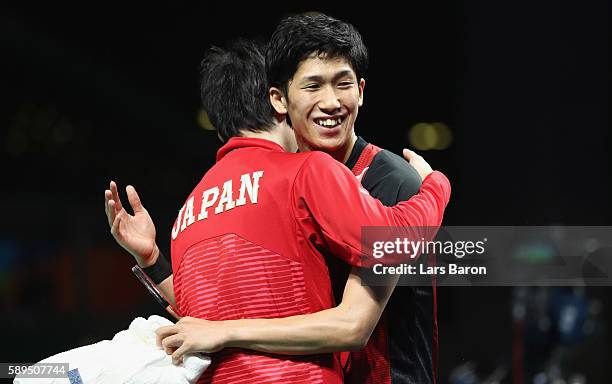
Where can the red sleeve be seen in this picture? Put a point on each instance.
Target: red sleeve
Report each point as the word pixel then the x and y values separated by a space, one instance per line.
pixel 331 207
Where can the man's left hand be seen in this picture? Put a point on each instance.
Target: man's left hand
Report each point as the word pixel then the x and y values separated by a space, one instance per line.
pixel 190 335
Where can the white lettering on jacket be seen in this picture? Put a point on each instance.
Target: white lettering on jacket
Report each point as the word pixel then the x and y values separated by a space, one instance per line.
pixel 249 186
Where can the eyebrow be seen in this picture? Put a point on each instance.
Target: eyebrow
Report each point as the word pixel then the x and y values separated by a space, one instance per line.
pixel 317 78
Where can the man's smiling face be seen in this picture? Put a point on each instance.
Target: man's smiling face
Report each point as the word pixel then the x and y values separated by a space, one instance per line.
pixel 323 99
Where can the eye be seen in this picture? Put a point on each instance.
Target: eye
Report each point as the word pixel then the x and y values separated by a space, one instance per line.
pixel 311 86
pixel 345 84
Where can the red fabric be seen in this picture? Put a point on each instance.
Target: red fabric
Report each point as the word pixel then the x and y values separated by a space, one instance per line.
pixel 247 281
pixel 371 365
pixel 332 209
pixel 364 160
pixel 260 258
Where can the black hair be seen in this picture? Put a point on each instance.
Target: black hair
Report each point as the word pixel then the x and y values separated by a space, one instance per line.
pixel 234 88
pixel 298 37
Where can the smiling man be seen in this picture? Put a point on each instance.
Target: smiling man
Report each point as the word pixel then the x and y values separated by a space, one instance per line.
pixel 316 66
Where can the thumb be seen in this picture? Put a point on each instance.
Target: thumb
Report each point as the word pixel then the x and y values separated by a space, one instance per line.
pixel 408 154
pixel 134 199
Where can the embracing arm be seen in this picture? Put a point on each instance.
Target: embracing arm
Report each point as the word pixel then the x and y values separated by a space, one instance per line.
pixel 343 328
pixel 337 224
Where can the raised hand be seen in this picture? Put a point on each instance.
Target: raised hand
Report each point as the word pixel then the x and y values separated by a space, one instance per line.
pixel 135 233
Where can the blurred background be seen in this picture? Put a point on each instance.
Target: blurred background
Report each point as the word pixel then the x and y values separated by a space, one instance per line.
pixel 509 99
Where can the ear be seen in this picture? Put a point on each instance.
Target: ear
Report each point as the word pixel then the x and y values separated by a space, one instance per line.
pixel 361 87
pixel 278 101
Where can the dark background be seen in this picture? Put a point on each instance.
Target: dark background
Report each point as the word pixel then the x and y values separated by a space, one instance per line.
pixel 110 91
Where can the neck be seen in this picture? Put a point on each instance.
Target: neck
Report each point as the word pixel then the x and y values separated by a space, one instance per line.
pixel 281 135
pixel 343 154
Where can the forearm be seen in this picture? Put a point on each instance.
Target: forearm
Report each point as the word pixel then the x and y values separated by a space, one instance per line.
pixel 166 287
pixel 343 328
pixel 325 331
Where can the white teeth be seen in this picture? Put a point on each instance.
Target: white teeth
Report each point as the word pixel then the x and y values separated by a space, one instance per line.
pixel 329 122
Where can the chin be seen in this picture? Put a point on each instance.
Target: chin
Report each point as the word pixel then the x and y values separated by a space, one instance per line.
pixel 328 145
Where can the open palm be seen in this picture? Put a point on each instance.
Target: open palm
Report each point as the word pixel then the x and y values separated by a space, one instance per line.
pixel 135 233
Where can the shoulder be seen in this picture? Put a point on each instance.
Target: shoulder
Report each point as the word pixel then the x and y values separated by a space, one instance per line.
pixel 296 163
pixel 395 168
pixel 390 173
pixel 320 171
pixel 319 162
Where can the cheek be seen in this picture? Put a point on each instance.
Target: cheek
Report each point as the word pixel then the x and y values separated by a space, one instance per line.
pixel 355 102
pixel 298 112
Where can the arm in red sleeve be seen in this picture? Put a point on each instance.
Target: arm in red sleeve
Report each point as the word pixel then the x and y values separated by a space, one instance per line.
pixel 331 207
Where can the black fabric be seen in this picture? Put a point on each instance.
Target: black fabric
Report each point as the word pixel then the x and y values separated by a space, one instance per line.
pixel 409 312
pixel 159 271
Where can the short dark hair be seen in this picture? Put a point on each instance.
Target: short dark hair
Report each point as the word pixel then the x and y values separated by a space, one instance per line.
pixel 234 88
pixel 298 37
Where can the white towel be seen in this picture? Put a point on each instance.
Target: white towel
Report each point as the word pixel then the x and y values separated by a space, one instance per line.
pixel 132 356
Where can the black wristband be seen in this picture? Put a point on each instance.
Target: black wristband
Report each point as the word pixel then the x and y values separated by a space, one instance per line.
pixel 159 271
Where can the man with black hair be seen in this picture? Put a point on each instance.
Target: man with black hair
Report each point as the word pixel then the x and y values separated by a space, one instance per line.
pixel 247 242
pixel 316 66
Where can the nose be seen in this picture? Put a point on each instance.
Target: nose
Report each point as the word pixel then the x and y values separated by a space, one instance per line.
pixel 330 101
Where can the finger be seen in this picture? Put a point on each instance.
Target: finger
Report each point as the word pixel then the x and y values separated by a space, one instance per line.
pixel 171 343
pixel 112 210
pixel 408 154
pixel 107 197
pixel 115 192
pixel 134 199
pixel 163 332
pixel 116 224
pixel 177 356
pixel 110 206
pixel 170 351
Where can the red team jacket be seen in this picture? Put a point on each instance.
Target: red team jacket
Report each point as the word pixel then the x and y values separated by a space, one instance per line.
pixel 246 244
